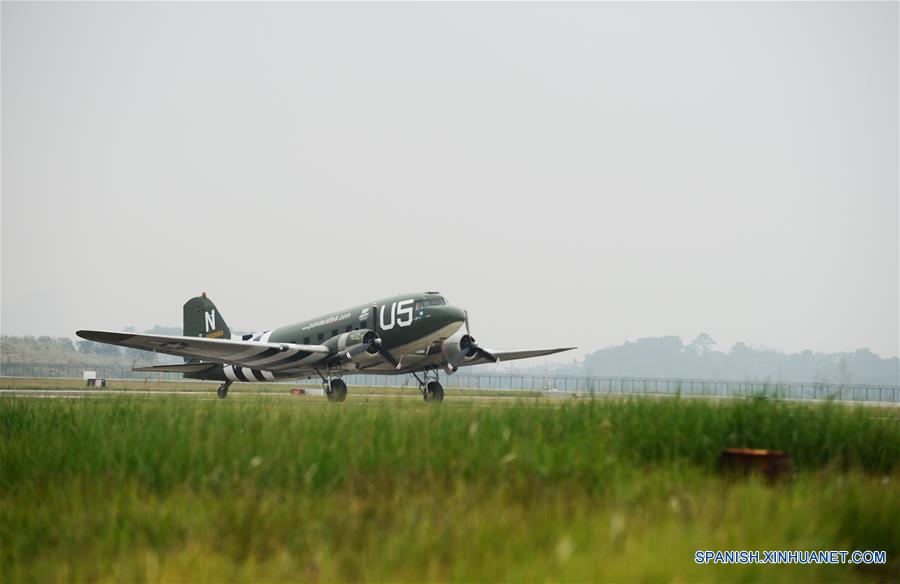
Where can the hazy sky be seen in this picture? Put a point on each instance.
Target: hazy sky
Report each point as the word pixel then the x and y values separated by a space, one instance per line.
pixel 576 174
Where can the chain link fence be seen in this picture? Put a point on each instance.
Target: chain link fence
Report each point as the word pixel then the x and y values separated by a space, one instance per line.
pixel 551 383
pixel 653 386
pixel 69 371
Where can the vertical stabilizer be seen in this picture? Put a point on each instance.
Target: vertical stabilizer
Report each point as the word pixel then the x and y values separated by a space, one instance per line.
pixel 202 319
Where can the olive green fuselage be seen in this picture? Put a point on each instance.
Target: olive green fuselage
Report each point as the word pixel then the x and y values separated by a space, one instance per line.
pixel 399 320
pixel 406 324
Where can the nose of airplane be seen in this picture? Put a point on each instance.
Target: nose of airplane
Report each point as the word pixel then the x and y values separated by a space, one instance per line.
pixel 445 315
pixel 457 314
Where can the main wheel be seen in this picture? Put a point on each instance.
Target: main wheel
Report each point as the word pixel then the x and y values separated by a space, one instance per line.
pixel 434 391
pixel 338 391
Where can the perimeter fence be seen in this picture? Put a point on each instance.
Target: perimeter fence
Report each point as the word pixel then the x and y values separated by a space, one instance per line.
pixel 552 383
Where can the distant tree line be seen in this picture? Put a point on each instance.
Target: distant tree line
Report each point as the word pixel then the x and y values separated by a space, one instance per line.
pixel 46 349
pixel 63 350
pixel 670 357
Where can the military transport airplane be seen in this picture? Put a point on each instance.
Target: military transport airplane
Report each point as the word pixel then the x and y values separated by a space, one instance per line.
pixel 408 334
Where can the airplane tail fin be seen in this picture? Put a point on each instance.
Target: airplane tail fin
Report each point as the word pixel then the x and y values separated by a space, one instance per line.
pixel 202 319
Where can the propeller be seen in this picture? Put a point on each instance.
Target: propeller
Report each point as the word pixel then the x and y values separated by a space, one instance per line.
pixel 372 344
pixel 482 352
pixel 366 345
pixel 377 347
pixel 469 348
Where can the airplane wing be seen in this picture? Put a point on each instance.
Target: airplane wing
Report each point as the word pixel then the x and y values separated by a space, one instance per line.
pixel 244 353
pixel 513 355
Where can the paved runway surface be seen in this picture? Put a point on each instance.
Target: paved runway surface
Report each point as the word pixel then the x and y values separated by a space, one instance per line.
pixel 101 393
pixel 554 396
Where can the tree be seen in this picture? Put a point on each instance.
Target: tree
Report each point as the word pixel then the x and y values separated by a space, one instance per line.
pixel 86 347
pixel 702 345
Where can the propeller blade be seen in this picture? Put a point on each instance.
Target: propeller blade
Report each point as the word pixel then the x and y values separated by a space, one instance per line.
pixel 487 354
pixel 385 353
pixel 457 359
pixel 356 350
pixel 389 358
pixel 370 343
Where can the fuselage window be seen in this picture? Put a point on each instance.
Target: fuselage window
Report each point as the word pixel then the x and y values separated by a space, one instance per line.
pixel 348 328
pixel 334 332
pixel 321 336
pixel 305 340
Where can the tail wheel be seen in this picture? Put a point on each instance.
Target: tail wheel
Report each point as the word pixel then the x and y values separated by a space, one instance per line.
pixel 222 392
pixel 337 391
pixel 434 391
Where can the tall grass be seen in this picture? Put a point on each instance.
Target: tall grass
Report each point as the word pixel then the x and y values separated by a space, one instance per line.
pixel 177 489
pixel 163 443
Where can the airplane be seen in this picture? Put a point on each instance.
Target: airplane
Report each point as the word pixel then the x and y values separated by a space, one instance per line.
pixel 406 334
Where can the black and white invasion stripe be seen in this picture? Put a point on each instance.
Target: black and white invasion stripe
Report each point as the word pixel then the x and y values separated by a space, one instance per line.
pixel 238 373
pixel 258 364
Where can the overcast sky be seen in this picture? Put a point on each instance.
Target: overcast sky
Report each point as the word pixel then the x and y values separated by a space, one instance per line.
pixel 579 174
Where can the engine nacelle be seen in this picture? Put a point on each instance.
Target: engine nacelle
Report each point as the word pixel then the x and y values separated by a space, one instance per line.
pixel 353 341
pixel 456 344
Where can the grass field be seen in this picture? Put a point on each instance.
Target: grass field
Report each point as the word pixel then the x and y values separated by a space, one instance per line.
pixel 262 489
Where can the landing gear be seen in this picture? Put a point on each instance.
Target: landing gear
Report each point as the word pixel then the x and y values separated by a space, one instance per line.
pixel 336 390
pixel 222 392
pixel 434 391
pixel 431 387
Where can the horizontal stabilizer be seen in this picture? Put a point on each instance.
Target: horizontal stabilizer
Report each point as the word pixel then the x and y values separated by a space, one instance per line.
pixel 179 368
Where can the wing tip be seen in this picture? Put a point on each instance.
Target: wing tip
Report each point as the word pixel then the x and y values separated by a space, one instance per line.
pixel 102 336
pixel 561 350
pixel 89 335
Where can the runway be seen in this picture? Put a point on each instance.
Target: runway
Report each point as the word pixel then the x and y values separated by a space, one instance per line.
pixel 546 396
pixel 211 395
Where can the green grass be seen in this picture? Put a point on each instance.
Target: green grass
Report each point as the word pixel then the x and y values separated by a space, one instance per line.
pixel 177 489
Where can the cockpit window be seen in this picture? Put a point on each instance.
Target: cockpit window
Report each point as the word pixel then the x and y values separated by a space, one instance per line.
pixel 435 301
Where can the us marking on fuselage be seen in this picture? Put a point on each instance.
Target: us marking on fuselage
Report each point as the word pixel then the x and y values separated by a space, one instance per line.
pixel 401 314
